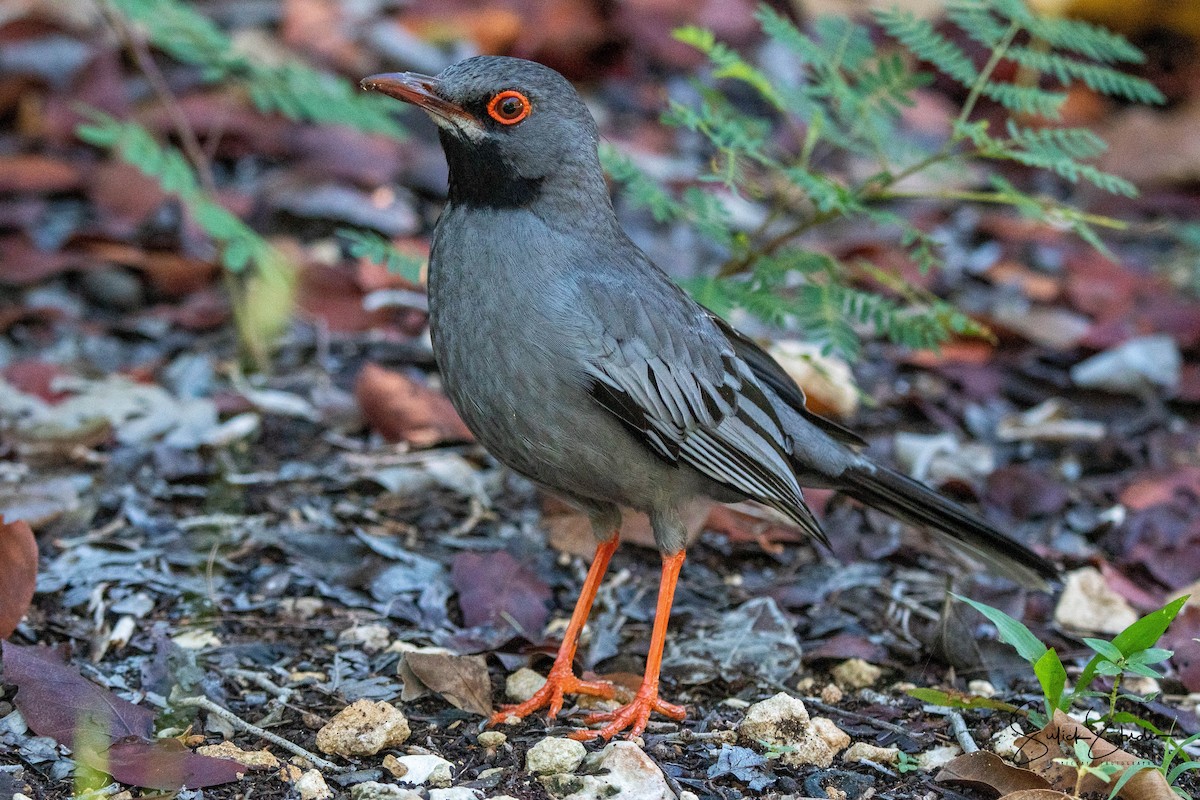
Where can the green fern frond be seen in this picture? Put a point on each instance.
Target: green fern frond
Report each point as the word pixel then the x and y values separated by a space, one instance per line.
pixel 642 191
pixel 1102 79
pixel 1083 38
pixel 292 89
pixel 728 64
pixel 376 248
pixel 1027 100
pixel 918 36
pixel 239 245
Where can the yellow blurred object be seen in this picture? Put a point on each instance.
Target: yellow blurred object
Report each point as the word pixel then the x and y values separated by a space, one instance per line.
pixel 1129 18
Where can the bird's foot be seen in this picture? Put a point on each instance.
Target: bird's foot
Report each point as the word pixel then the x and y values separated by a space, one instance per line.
pixel 559 682
pixel 632 717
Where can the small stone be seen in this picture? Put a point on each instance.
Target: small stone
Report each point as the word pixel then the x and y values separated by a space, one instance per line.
pixel 371 638
pixel 311 786
pixel 554 756
pixel 426 769
pixel 303 608
pixel 492 739
pixel 363 729
pixel 782 721
pixel 938 757
pixel 253 759
pixel 373 790
pixel 1088 604
pixel 805 685
pixel 687 795
pixel 1140 684
pixel 981 688
pixel 835 793
pixel 522 685
pixel 620 770
pixel 854 673
pixel 394 766
pixel 1004 742
pixel 455 793
pixel 861 751
pixel 735 702
pixel 837 739
pixel 831 694
pixel 289 773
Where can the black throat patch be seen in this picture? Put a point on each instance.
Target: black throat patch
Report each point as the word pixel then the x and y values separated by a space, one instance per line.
pixel 481 177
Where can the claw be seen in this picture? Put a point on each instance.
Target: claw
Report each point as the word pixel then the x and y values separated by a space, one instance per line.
pixel 558 683
pixel 632 717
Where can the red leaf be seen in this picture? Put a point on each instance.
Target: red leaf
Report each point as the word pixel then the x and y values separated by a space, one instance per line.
pixel 495 587
pixel 55 699
pixel 18 573
pixel 402 409
pixel 165 764
pixel 58 702
pixel 1184 638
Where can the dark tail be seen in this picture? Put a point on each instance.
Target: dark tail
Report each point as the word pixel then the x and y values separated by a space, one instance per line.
pixel 916 503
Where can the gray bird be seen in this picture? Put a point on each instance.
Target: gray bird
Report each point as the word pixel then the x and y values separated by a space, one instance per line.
pixel 581 365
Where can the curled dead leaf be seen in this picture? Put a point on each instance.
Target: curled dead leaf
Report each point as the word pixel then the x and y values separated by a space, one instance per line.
pixel 403 410
pixel 462 680
pixel 983 770
pixel 1057 740
pixel 18 573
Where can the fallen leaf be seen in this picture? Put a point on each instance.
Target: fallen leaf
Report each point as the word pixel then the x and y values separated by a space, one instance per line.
pixel 166 764
pixel 988 771
pixel 18 573
pixel 1057 740
pixel 1161 487
pixel 40 174
pixel 402 409
pixel 1184 638
pixel 495 588
pixel 1037 794
pixel 56 700
pixel 462 680
pixel 104 731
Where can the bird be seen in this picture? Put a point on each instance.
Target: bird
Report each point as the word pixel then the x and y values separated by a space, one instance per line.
pixel 580 364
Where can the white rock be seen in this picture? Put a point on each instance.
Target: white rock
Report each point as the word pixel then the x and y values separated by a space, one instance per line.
pixel 425 769
pixel 311 786
pixel 861 751
pixel 981 688
pixel 1132 367
pixel 491 739
pixel 253 759
pixel 937 757
pixel 854 673
pixel 455 793
pixel 1088 604
pixel 372 638
pixel 621 770
pixel 363 729
pixel 523 684
pixel 554 755
pixel 1004 742
pixel 837 739
pixel 783 721
pixel 373 790
pixel 826 379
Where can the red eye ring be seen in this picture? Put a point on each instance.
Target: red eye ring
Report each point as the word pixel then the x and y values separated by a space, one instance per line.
pixel 502 109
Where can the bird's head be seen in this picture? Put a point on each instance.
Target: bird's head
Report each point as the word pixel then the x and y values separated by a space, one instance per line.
pixel 512 129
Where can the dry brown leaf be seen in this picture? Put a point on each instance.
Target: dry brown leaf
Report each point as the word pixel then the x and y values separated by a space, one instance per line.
pixel 18 573
pixel 982 770
pixel 1037 794
pixel 403 410
pixel 1057 740
pixel 462 680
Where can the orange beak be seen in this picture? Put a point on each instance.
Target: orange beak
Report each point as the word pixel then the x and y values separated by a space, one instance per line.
pixel 420 90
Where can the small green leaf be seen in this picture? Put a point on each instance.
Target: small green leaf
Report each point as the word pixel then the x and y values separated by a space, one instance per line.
pixel 1053 677
pixel 1141 635
pixel 1011 631
pixel 1105 648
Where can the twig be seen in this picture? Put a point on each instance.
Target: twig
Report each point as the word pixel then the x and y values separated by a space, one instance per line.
pixel 878 723
pixel 236 721
pixel 959 726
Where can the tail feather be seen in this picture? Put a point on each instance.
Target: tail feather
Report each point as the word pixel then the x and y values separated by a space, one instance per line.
pixel 916 503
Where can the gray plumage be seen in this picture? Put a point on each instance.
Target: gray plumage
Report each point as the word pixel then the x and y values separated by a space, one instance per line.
pixel 579 364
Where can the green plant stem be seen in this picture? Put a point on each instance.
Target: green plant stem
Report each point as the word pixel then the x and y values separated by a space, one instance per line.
pixel 1112 696
pixel 200 162
pixel 985 74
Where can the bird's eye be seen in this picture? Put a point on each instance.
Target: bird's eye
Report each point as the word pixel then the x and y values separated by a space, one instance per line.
pixel 509 108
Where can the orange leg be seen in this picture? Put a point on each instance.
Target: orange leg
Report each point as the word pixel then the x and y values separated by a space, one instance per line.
pixel 561 679
pixel 635 715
